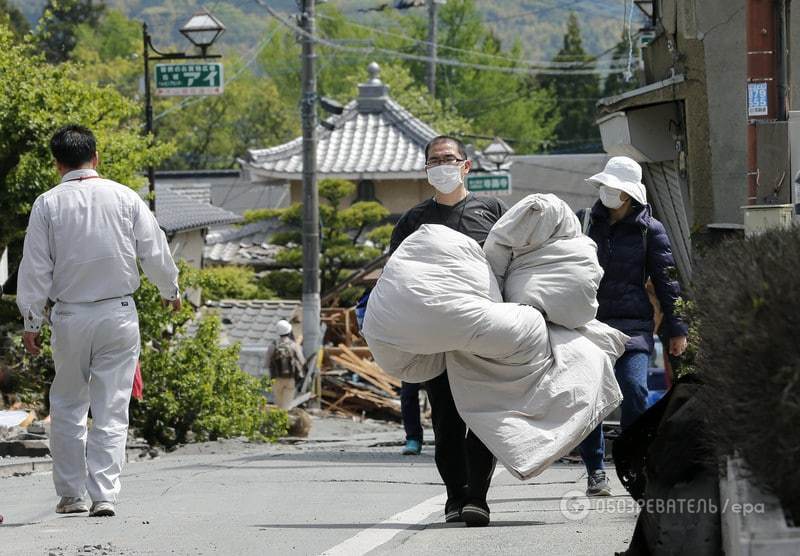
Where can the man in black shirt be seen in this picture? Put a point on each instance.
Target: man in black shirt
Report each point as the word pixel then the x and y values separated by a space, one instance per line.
pixel 465 464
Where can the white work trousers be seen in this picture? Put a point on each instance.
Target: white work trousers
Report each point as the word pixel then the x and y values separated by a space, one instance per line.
pixel 95 349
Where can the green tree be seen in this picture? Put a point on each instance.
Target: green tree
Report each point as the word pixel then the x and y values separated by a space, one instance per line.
pixel 618 83
pixel 342 228
pixel 575 94
pixel 510 105
pixel 212 132
pixel 35 99
pixel 110 51
pixel 14 19
pixel 57 29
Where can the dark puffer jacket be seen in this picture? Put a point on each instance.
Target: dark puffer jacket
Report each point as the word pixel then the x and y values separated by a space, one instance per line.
pixel 622 297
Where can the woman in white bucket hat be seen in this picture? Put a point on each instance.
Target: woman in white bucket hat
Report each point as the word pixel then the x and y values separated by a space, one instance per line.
pixel 632 247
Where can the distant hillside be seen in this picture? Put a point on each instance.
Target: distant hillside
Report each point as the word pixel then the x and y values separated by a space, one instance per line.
pixel 539 24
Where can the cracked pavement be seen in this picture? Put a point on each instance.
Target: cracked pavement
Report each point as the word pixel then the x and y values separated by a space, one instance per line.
pixel 346 486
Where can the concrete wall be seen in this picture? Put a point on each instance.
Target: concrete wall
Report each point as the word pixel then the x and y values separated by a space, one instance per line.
pixel 721 24
pixel 189 247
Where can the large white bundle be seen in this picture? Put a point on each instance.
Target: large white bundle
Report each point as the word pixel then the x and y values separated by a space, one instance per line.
pixel 530 391
pixel 541 258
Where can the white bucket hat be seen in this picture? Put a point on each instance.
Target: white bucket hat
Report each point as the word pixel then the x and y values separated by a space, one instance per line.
pixel 622 173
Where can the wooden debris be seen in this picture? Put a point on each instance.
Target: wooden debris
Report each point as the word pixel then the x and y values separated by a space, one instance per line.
pixel 372 391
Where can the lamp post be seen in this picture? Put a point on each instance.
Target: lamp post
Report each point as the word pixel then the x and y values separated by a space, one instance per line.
pixel 498 152
pixel 202 30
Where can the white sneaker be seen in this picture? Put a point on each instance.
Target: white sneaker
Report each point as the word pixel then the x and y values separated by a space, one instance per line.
pixel 71 505
pixel 102 509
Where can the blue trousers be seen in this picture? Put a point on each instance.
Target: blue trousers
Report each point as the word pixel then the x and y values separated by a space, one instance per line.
pixel 409 407
pixel 631 373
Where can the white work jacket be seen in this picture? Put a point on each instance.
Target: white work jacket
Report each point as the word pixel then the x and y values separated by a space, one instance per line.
pixel 83 239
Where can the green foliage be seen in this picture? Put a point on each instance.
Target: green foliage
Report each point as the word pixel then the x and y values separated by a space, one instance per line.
pixel 576 129
pixel 28 377
pixel 381 236
pixel 342 229
pixel 56 33
pixel 287 284
pixel 228 282
pixel 213 131
pixel 11 17
pixel 197 386
pixel 616 83
pixel 748 306
pixel 261 214
pixel 110 52
pixel 37 98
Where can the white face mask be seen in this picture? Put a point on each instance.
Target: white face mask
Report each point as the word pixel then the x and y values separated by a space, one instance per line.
pixel 610 197
pixel 445 178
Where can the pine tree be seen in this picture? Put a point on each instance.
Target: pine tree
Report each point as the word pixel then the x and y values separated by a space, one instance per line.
pixel 575 95
pixel 57 30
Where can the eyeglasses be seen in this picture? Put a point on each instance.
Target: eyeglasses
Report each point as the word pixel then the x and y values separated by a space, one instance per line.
pixel 444 160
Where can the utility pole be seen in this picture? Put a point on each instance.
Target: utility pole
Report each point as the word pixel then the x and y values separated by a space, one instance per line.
pixel 433 8
pixel 148 116
pixel 311 285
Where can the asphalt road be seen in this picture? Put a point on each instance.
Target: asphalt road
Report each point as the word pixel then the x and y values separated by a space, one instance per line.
pixel 342 492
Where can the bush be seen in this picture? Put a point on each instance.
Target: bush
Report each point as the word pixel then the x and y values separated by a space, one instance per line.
pixel 227 282
pixel 287 284
pixel 197 386
pixel 748 305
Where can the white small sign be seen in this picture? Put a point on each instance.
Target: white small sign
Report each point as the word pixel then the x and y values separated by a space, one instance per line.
pixel 757 102
pixel 4 267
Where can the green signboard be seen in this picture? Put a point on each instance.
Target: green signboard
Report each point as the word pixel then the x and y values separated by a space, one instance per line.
pixel 495 183
pixel 188 79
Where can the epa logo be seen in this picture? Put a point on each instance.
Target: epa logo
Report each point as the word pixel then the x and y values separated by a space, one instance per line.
pixel 574 505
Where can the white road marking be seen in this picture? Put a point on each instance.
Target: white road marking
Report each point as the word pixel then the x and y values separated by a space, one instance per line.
pixel 369 539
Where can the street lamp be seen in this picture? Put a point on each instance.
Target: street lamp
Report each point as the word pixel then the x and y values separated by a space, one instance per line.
pixel 202 30
pixel 498 152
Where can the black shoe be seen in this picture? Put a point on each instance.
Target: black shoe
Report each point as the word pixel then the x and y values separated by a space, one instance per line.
pixel 597 484
pixel 452 511
pixel 475 514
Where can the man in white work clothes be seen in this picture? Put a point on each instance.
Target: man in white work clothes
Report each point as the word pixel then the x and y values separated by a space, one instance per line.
pixel 84 237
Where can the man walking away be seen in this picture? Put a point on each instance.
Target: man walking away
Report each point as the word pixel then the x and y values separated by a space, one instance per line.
pixel 83 240
pixel 465 464
pixel 286 365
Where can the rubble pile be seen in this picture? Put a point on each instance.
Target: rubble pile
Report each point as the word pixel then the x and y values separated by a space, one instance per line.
pixel 355 386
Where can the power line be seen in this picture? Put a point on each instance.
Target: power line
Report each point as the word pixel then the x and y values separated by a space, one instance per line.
pixel 440 61
pixel 548 63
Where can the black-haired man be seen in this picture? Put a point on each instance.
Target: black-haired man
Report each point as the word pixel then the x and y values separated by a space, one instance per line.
pixel 81 249
pixel 465 464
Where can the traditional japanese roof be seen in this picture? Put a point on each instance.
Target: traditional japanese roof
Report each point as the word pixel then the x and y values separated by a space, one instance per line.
pixel 252 323
pixel 245 245
pixel 374 138
pixel 177 212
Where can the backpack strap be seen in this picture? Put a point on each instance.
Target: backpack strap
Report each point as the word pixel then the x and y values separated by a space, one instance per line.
pixel 585 216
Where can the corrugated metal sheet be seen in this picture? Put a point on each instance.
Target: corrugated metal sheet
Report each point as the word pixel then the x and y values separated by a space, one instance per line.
pixel 664 194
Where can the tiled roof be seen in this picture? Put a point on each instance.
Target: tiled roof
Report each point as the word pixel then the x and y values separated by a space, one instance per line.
pixel 177 212
pixel 245 245
pixel 260 255
pixel 252 324
pixel 374 138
